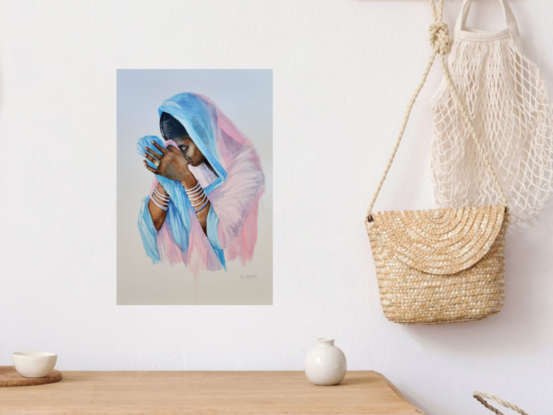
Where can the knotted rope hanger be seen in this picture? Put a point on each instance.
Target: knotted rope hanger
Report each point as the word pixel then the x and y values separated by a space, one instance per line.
pixel 441 45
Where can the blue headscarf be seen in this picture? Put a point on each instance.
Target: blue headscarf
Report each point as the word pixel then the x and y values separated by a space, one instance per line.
pixel 198 118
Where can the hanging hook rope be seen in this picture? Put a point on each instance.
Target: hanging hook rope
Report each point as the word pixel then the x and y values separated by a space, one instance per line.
pixel 439 38
pixel 441 45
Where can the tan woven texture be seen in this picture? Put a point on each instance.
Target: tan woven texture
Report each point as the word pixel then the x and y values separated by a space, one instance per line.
pixel 440 265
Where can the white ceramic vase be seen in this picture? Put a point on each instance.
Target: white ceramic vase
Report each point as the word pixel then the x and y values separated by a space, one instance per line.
pixel 325 364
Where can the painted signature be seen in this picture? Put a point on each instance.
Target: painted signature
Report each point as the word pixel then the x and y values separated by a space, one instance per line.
pixel 248 276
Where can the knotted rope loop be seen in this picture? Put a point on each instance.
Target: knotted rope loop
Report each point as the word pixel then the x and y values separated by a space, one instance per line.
pixel 439 38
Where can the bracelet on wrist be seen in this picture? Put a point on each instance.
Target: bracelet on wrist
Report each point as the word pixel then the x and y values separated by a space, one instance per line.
pixel 160 200
pixel 197 197
pixel 204 205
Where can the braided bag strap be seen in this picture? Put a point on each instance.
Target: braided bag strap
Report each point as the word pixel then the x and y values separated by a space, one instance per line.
pixel 481 397
pixel 441 45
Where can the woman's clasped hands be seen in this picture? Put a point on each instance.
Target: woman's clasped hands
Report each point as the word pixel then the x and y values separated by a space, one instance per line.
pixel 169 162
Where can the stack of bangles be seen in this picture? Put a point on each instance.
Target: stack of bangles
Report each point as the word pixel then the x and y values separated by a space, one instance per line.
pixel 161 201
pixel 197 197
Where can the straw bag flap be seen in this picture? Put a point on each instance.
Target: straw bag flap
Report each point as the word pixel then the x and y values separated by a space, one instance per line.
pixel 438 241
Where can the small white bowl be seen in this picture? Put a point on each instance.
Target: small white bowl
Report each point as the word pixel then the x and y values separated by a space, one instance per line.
pixel 34 364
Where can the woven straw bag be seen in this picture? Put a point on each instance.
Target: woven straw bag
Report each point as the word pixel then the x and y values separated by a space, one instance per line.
pixel 481 397
pixel 440 265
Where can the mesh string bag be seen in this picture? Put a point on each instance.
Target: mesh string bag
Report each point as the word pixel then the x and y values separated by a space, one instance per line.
pixel 508 103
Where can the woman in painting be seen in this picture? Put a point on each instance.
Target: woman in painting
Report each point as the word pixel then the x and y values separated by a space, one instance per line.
pixel 203 203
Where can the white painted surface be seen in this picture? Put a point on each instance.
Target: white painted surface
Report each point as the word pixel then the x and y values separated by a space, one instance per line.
pixel 343 73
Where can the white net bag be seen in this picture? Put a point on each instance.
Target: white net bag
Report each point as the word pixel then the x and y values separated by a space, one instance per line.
pixel 512 114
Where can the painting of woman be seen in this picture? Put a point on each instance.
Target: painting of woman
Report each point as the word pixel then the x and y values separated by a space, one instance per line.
pixel 202 207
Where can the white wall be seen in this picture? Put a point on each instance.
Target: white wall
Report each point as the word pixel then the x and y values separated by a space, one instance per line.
pixel 343 72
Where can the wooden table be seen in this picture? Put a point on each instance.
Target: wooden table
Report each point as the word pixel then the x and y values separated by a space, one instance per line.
pixel 213 393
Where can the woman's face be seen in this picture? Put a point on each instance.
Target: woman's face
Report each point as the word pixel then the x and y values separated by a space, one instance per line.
pixel 192 154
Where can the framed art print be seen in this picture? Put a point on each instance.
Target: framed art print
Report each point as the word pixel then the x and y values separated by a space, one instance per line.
pixel 194 186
